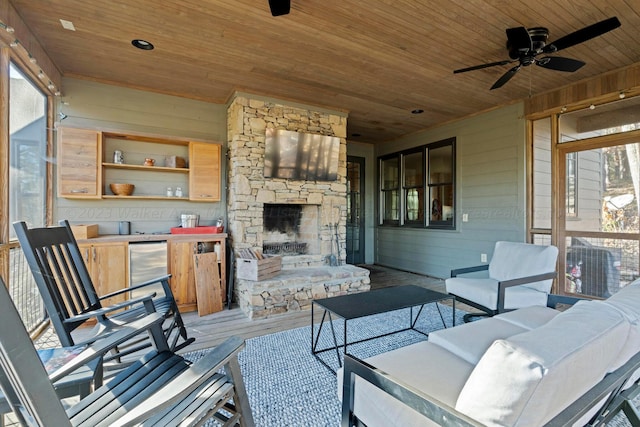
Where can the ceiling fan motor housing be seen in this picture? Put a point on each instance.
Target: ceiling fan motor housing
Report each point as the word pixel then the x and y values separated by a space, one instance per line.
pixel 538 40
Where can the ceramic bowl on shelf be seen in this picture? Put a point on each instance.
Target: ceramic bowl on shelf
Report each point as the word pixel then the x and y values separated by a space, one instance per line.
pixel 122 189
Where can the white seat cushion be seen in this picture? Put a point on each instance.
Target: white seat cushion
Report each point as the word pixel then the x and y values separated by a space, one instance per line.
pixel 471 340
pixel 425 366
pixel 548 367
pixel 529 317
pixel 484 291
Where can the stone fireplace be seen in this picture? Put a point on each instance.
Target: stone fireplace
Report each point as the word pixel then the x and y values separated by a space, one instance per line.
pixel 304 220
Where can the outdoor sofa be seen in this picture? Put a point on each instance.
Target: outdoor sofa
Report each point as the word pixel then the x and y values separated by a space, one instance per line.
pixel 520 368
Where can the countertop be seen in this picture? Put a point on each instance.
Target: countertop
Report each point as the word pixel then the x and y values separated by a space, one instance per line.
pixel 135 238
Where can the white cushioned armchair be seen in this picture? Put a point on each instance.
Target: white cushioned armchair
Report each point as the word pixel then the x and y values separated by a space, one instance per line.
pixel 519 275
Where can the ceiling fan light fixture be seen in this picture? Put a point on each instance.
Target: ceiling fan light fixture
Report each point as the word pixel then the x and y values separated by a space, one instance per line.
pixel 67 25
pixel 142 44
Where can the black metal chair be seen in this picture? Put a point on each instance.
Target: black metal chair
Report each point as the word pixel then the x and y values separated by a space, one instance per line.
pixel 71 299
pixel 160 389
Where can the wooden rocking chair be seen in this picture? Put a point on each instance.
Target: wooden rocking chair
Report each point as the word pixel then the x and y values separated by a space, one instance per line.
pixel 161 389
pixel 70 297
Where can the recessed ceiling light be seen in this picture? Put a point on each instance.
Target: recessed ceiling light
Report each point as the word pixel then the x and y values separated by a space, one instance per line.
pixel 417 111
pixel 142 44
pixel 67 25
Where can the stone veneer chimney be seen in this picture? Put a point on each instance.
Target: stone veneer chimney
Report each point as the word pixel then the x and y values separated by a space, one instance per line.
pixel 248 189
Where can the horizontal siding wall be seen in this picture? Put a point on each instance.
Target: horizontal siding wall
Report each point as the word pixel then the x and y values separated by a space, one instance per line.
pixel 98 106
pixel 490 178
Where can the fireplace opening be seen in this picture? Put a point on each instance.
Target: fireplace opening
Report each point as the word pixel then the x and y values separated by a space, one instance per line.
pixel 290 229
pixel 282 218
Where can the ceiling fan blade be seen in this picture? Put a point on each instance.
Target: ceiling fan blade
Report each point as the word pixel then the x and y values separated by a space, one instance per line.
pixel 505 77
pixel 559 63
pixel 518 40
pixel 279 7
pixel 587 33
pixel 481 66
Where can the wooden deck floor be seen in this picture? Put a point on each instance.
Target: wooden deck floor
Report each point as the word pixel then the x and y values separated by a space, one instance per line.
pixel 212 329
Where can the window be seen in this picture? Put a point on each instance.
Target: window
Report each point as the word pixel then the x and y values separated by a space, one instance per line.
pixel 389 176
pixel 413 186
pixel 28 151
pixel 427 194
pixel 441 185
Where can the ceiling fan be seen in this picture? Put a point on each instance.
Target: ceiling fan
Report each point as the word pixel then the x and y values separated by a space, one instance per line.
pixel 279 7
pixel 524 45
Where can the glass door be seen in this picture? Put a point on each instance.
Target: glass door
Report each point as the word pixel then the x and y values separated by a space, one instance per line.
pixel 355 214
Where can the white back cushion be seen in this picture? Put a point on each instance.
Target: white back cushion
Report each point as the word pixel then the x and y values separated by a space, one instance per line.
pixel 527 379
pixel 512 260
pixel 627 301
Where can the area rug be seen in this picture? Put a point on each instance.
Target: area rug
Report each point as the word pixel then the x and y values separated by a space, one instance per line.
pixel 288 387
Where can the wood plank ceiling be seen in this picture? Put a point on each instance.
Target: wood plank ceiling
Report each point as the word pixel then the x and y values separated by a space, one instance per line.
pixel 376 59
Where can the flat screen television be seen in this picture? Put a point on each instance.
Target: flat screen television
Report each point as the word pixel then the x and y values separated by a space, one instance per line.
pixel 301 156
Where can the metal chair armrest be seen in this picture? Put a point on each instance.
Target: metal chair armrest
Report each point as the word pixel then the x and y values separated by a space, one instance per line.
pixel 502 286
pixel 458 271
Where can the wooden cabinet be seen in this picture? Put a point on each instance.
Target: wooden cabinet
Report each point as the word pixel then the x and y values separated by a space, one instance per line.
pixel 82 172
pixel 204 172
pixel 107 265
pixel 79 159
pixel 181 254
pixel 182 275
pixel 106 258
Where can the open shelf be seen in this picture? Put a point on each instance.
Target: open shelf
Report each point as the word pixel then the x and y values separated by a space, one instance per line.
pixel 144 168
pixel 149 197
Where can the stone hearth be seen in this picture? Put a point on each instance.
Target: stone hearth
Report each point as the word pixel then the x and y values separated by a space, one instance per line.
pixel 295 289
pixel 302 275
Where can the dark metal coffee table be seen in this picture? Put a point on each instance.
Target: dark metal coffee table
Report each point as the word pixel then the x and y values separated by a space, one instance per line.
pixel 384 300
